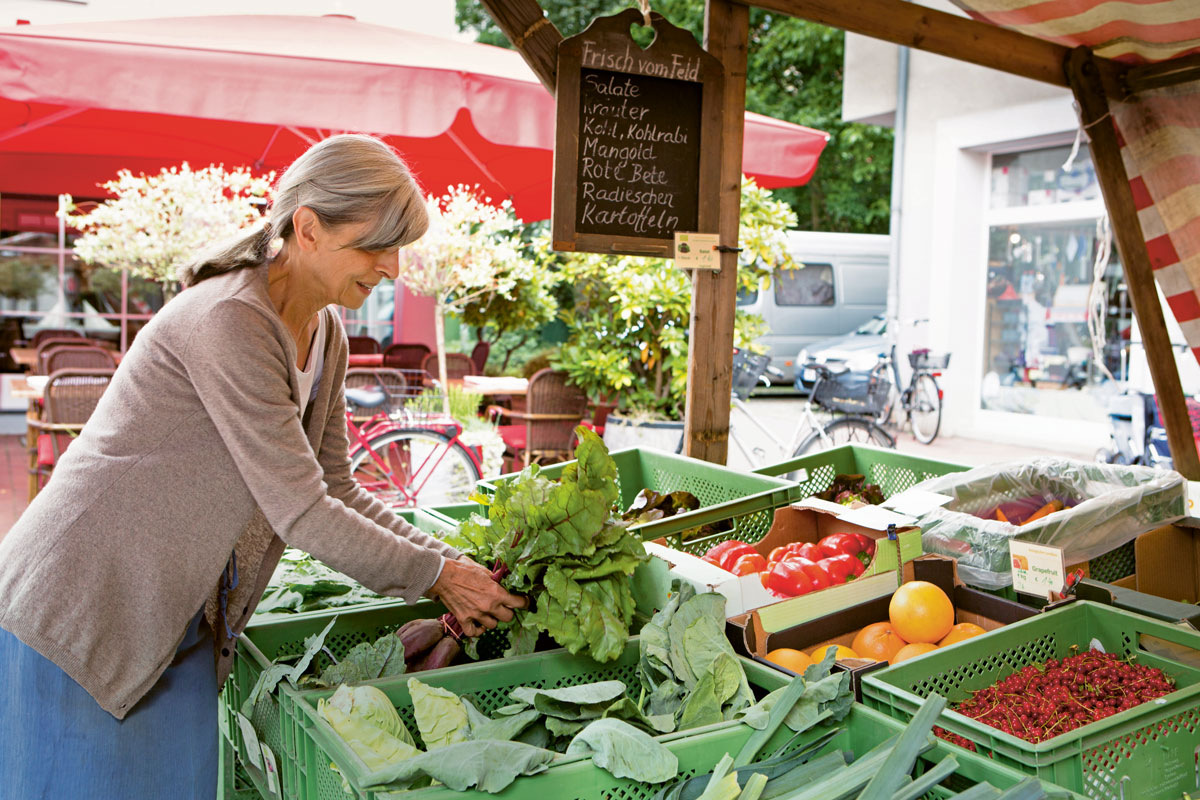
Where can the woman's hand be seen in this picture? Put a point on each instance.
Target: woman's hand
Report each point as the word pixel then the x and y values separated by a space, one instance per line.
pixel 467 590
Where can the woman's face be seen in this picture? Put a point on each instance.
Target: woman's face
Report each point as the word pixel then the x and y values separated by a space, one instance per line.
pixel 348 275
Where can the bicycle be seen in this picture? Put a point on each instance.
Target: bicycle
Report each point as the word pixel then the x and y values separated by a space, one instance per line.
pixel 852 398
pixel 409 453
pixel 921 399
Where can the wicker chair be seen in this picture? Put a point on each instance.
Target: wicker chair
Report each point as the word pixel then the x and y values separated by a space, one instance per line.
pixel 69 399
pixel 545 431
pixel 60 343
pixel 54 333
pixel 68 357
pixel 363 346
pixel 480 356
pixel 457 365
pixel 404 356
pixel 393 383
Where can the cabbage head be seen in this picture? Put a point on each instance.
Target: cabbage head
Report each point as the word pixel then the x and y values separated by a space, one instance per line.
pixel 367 721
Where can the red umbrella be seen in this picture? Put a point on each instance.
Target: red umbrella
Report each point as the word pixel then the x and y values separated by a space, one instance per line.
pixel 80 101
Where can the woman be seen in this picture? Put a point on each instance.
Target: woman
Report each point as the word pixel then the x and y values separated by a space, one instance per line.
pixel 221 438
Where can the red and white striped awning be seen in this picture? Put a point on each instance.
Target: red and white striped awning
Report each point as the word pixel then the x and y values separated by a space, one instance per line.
pixel 1159 129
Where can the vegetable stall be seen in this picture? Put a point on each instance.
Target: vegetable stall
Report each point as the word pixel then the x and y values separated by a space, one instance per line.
pixel 850 661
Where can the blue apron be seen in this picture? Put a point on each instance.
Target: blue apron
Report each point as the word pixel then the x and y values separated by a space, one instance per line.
pixel 57 741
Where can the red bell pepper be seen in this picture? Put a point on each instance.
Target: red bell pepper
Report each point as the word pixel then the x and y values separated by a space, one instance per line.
pixel 779 553
pixel 842 568
pixel 726 553
pixel 748 564
pixel 807 550
pixel 817 574
pixel 788 579
pixel 836 544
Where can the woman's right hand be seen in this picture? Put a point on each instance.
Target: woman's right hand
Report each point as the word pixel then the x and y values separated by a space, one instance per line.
pixel 467 591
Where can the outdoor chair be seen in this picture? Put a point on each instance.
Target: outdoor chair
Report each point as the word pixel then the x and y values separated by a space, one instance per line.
pixel 544 433
pixel 68 357
pixel 404 356
pixel 479 355
pixel 457 366
pixel 363 346
pixel 69 399
pixel 59 343
pixel 393 383
pixel 52 333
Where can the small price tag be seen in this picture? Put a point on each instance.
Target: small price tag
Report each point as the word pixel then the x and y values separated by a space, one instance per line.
pixel 697 250
pixel 271 768
pixel 1037 569
pixel 1193 498
pixel 250 740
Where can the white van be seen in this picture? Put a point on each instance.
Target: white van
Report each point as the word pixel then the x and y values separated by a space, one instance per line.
pixel 842 284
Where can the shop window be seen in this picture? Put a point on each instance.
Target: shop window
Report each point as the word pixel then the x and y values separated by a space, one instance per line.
pixel 1038 178
pixel 810 285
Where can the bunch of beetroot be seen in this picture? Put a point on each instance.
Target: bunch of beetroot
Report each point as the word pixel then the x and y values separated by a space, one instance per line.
pixel 1047 700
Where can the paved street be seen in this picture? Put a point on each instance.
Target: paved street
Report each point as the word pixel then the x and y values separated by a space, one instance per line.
pixel 780 414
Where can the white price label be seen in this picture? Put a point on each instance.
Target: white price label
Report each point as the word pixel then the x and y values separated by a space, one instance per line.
pixel 1037 569
pixel 271 768
pixel 697 250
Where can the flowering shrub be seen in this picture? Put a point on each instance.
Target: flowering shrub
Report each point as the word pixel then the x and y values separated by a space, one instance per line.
pixel 156 223
pixel 473 248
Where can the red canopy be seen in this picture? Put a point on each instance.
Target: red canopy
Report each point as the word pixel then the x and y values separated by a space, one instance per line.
pixel 80 101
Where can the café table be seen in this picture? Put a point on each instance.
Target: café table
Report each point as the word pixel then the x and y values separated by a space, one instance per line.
pixel 365 360
pixel 26 357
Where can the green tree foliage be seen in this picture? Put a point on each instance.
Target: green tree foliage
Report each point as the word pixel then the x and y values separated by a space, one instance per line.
pixel 794 74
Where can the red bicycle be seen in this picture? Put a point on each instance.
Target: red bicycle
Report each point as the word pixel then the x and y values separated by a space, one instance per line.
pixel 408 453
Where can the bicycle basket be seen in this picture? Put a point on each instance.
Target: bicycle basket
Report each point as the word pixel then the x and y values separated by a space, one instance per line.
pixel 747 369
pixel 923 359
pixel 863 393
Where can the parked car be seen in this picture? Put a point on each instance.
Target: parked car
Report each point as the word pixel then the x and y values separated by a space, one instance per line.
pixel 842 284
pixel 859 350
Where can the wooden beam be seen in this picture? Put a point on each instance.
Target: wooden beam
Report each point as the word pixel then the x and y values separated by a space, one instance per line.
pixel 1164 73
pixel 714 294
pixel 532 33
pixel 946 34
pixel 1139 275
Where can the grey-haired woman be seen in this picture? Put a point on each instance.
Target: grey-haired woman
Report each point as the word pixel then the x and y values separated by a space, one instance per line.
pixel 221 438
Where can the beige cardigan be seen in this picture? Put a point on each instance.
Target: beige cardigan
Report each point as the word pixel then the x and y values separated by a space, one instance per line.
pixel 197 446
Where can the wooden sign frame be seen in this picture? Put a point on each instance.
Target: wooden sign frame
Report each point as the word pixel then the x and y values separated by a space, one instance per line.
pixel 671 47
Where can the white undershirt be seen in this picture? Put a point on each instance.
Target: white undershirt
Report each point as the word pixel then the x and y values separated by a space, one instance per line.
pixel 310 376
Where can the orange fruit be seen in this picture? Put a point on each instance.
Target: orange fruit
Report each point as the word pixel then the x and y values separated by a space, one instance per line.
pixel 921 612
pixel 843 652
pixel 912 651
pixel 961 631
pixel 877 641
pixel 789 658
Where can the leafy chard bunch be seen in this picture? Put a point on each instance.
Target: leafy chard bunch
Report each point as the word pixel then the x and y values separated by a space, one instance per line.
pixel 564 549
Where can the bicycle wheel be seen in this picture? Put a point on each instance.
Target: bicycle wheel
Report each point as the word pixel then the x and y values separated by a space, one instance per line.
pixel 926 409
pixel 845 430
pixel 415 467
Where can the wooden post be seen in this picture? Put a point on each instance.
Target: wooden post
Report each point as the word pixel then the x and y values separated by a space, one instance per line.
pixel 714 294
pixel 531 32
pixel 1086 83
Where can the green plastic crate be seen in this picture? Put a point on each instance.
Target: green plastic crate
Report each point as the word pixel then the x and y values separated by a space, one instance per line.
pixel 893 472
pixel 864 728
pixel 698 750
pixel 1148 752
pixel 488 685
pixel 745 499
pixel 452 516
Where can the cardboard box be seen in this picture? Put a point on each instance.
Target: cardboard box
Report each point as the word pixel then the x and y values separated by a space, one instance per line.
pixel 1166 584
pixel 806 521
pixel 754 636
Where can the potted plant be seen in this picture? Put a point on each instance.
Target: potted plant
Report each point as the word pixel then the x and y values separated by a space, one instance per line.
pixel 627 332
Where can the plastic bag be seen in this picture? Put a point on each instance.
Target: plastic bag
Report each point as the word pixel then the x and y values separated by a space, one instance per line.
pixel 1105 506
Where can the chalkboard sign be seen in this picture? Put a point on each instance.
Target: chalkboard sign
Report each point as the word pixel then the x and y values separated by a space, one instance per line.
pixel 637 148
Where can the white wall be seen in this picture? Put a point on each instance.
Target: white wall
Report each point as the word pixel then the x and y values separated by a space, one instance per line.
pixel 958 113
pixel 435 17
